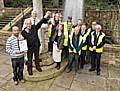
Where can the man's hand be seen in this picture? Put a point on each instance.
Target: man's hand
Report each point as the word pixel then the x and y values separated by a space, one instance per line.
pixel 94 47
pixel 74 51
pixel 19 52
pixel 48 13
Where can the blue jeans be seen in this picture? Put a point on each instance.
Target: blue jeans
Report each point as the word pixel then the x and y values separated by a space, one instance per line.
pixel 18 66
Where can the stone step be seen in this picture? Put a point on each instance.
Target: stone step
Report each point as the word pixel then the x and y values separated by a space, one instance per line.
pixel 4 22
pixel 47 73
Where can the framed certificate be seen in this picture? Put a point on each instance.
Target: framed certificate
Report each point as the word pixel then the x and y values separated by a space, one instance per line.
pixel 23 45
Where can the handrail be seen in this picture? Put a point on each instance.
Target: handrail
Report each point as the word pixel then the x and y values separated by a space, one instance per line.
pixel 17 18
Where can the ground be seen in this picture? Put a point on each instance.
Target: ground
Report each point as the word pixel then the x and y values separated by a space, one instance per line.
pixel 109 80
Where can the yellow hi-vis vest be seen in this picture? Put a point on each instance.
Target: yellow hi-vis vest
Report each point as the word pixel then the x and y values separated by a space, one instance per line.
pixel 84 40
pixel 50 27
pixel 98 50
pixel 80 41
pixel 49 30
pixel 66 34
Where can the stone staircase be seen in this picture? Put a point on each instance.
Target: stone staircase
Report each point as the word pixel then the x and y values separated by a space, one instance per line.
pixel 6 20
pixel 48 67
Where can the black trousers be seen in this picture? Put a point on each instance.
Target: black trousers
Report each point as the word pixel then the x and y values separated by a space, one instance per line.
pixel 30 57
pixel 83 57
pixel 50 45
pixel 65 52
pixel 18 66
pixel 73 58
pixel 95 61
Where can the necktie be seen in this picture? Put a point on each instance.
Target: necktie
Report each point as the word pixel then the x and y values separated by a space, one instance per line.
pixel 34 22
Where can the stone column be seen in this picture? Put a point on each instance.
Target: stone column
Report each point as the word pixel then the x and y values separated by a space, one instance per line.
pixel 1 4
pixel 37 5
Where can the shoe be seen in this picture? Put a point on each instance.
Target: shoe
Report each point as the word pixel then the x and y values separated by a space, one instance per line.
pixel 91 70
pixel 39 69
pixel 82 67
pixel 58 68
pixel 69 70
pixel 98 73
pixel 40 60
pixel 22 81
pixel 30 73
pixel 16 82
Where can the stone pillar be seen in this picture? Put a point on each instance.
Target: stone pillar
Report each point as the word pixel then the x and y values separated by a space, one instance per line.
pixel 1 4
pixel 37 5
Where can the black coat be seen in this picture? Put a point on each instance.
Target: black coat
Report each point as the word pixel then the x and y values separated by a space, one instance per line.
pixel 61 41
pixel 32 36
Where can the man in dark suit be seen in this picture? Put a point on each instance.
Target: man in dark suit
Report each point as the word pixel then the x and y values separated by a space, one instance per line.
pixel 30 32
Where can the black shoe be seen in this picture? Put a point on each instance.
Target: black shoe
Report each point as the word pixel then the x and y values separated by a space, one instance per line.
pixel 58 68
pixel 91 70
pixel 82 67
pixel 69 70
pixel 39 69
pixel 30 73
pixel 40 60
pixel 98 73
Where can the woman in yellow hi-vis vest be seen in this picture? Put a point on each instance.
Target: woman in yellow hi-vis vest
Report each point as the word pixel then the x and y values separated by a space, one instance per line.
pixel 54 21
pixel 67 31
pixel 97 41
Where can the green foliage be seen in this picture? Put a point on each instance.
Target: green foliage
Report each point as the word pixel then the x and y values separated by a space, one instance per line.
pixel 18 3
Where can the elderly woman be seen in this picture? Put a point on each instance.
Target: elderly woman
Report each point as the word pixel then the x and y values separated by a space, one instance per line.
pixel 58 39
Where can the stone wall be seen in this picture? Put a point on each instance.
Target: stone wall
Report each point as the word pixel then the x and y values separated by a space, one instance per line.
pixel 111 55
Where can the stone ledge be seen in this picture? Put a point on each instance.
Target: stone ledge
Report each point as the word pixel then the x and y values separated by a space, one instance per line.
pixel 47 73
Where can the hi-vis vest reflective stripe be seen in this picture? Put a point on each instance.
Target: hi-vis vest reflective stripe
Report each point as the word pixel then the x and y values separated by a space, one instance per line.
pixel 49 30
pixel 50 27
pixel 84 40
pixel 52 21
pixel 66 34
pixel 80 41
pixel 88 31
pixel 98 50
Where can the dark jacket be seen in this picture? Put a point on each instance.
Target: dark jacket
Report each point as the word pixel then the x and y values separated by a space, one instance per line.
pixel 60 41
pixel 97 46
pixel 86 42
pixel 75 43
pixel 32 36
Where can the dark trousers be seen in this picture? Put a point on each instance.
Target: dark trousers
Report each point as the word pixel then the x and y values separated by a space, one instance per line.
pixel 18 66
pixel 65 52
pixel 95 61
pixel 83 57
pixel 88 56
pixel 30 57
pixel 73 58
pixel 50 45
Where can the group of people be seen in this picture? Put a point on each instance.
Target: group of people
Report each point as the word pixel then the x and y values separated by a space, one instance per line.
pixel 66 41
pixel 76 43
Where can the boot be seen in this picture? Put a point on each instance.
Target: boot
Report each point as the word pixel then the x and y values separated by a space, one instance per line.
pixel 59 65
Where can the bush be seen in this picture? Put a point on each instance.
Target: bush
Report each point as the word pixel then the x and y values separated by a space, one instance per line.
pixel 18 3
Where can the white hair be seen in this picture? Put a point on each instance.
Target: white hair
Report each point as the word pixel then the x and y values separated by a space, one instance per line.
pixel 98 26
